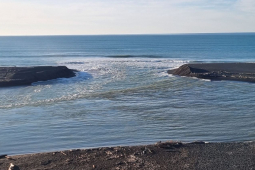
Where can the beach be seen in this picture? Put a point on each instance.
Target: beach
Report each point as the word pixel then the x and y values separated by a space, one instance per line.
pixel 162 155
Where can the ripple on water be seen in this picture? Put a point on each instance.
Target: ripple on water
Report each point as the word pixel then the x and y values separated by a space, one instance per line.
pixel 123 102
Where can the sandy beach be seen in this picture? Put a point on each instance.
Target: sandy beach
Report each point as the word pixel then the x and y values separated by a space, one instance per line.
pixel 165 155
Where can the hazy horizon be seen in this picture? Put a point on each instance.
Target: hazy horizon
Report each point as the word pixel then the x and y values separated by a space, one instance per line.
pixel 112 17
pixel 206 33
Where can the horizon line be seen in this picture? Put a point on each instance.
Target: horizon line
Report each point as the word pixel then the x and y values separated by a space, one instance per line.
pixel 126 34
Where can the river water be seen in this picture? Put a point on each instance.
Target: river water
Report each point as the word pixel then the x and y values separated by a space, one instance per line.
pixel 123 94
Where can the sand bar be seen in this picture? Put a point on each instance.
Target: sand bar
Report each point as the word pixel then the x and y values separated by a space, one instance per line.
pixel 218 71
pixel 17 76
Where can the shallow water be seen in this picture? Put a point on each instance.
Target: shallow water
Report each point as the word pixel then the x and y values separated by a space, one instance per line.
pixel 122 94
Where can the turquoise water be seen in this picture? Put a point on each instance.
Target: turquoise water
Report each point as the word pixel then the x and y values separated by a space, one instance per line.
pixel 122 94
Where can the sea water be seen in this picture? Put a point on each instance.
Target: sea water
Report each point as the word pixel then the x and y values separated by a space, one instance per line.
pixel 122 94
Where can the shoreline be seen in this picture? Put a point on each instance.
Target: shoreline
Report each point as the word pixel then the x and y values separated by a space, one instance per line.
pixel 162 155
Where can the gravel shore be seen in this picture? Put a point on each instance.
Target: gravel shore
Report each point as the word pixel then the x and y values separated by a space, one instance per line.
pixel 165 156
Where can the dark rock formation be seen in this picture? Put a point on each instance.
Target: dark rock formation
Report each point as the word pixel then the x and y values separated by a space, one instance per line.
pixel 16 76
pixel 218 71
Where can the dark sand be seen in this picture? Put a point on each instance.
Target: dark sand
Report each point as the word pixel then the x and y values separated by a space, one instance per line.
pixel 165 156
pixel 218 71
pixel 16 76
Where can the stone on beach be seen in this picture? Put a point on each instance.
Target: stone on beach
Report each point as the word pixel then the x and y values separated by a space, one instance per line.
pixel 13 167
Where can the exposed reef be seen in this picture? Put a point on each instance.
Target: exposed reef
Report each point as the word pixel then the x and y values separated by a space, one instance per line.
pixel 17 76
pixel 218 71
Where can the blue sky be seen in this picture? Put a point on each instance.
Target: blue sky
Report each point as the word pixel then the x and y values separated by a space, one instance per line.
pixel 82 17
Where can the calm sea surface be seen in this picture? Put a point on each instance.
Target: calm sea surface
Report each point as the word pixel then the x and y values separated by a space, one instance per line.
pixel 122 94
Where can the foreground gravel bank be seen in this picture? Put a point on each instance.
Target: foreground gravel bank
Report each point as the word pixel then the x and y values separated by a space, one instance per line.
pixel 168 155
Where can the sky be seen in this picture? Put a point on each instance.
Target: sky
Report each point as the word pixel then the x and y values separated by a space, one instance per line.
pixel 89 17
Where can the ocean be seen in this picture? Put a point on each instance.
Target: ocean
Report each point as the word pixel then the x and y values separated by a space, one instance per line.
pixel 122 94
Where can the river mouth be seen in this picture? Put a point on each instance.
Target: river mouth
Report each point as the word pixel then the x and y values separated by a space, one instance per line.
pixel 122 94
pixel 123 102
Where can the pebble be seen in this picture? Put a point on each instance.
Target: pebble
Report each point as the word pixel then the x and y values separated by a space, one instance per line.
pixel 46 162
pixel 13 167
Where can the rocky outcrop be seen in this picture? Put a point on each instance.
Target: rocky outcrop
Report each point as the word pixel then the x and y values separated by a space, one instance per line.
pixel 16 76
pixel 218 71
